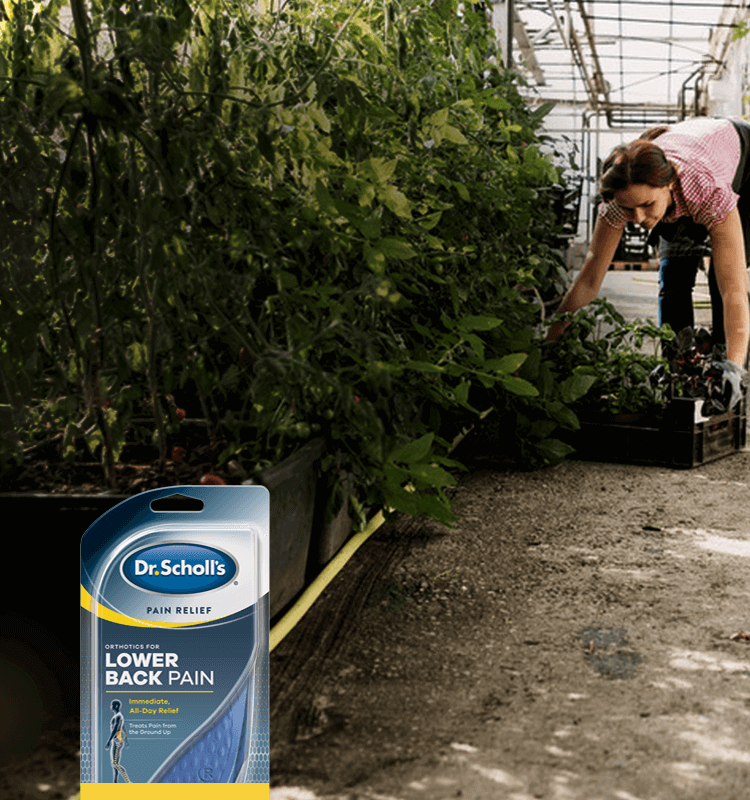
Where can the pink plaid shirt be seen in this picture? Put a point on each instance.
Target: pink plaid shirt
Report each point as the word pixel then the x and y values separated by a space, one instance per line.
pixel 706 153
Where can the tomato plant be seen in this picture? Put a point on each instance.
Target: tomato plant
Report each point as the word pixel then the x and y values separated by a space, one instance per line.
pixel 328 219
pixel 619 357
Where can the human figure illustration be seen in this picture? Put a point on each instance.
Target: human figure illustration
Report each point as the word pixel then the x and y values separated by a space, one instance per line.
pixel 117 740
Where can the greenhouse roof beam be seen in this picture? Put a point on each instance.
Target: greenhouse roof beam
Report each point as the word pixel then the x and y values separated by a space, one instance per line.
pixel 601 83
pixel 577 51
pixel 526 46
pixel 597 48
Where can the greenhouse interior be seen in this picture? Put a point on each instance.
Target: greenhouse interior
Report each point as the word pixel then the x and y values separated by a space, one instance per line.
pixel 613 69
pixel 320 253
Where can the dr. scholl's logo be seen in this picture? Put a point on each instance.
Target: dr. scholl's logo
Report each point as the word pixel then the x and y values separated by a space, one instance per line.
pixel 178 568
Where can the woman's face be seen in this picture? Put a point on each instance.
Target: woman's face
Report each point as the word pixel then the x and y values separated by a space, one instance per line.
pixel 644 204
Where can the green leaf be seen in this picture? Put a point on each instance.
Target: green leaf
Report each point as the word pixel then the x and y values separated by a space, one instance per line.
pixel 424 366
pixel 393 247
pixel 463 192
pixel 137 356
pixel 62 90
pixel 475 323
pixel 432 475
pixel 507 364
pixel 374 258
pixel 439 118
pixel 396 201
pixel 371 226
pixel 378 169
pixel 413 451
pixel 530 368
pixel 553 450
pixel 437 508
pixel 576 386
pixel 400 500
pixel 348 211
pixel 265 146
pixel 538 114
pixel 476 344
pixel 68 443
pixel 325 201
pixel 367 195
pixel 430 221
pixel 461 392
pixel 541 429
pixel 453 135
pixel 94 440
pixel 565 416
pixel 321 120
pixel 496 102
pixel 519 386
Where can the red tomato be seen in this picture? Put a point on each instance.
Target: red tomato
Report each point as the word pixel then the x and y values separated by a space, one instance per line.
pixel 212 480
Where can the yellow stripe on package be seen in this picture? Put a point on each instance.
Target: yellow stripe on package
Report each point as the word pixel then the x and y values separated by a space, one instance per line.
pixel 175 643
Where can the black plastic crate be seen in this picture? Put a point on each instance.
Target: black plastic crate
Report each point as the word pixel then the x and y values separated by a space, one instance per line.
pixel 680 437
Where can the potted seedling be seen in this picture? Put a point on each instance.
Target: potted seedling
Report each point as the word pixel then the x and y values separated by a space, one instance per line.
pixel 652 407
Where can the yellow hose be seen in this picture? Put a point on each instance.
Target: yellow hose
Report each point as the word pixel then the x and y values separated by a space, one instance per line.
pixel 315 589
pixel 332 569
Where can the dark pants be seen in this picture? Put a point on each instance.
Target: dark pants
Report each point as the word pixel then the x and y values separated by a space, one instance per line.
pixel 676 283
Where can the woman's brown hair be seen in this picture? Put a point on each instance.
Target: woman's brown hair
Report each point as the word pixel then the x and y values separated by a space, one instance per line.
pixel 641 161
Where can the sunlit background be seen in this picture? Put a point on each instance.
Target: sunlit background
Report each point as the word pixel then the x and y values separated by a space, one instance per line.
pixel 616 68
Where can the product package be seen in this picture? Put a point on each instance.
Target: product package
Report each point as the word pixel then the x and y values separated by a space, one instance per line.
pixel 175 645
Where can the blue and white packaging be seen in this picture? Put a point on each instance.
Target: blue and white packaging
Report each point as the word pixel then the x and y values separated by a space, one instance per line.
pixel 175 644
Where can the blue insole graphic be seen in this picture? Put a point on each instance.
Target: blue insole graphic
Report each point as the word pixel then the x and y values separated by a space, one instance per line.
pixel 219 754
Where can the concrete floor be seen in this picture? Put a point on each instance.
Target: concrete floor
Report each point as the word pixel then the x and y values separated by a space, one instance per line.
pixel 498 700
pixel 635 294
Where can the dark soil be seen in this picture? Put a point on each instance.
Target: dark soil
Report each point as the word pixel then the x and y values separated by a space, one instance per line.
pixel 138 472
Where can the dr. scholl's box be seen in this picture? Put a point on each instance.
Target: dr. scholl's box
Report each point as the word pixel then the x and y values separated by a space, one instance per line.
pixel 174 645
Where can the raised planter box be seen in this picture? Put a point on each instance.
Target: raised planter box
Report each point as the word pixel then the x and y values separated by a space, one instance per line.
pixel 681 437
pixel 331 528
pixel 292 485
pixel 59 520
pixel 56 522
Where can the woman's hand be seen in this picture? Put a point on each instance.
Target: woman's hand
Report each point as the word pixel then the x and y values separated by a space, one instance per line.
pixel 589 280
pixel 555 331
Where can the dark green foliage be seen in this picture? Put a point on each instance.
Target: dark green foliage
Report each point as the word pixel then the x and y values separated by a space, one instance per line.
pixel 617 358
pixel 310 221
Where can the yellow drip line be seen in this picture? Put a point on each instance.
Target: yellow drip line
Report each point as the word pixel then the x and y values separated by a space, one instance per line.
pixel 315 589
pixel 332 569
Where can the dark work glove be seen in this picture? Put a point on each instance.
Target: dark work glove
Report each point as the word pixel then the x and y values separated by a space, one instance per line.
pixel 725 390
pixel 658 376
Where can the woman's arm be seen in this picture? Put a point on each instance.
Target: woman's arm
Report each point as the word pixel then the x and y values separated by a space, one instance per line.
pixel 728 249
pixel 586 286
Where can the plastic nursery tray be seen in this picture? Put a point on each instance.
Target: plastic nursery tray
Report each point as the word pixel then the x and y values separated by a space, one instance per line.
pixel 680 437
